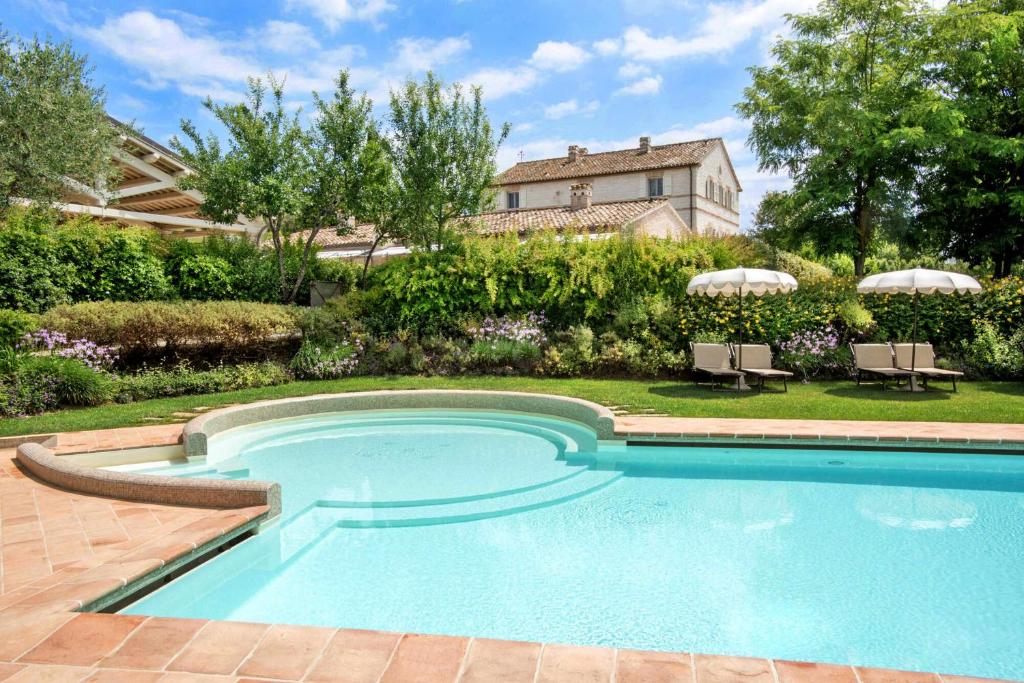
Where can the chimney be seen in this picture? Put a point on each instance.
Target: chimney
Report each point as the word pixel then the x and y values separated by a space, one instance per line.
pixel 582 196
pixel 573 152
pixel 645 144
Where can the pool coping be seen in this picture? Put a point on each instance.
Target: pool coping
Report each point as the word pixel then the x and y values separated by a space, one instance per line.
pixel 451 658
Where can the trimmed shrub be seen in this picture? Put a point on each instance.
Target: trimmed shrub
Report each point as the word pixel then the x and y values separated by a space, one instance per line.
pixel 163 326
pixel 185 381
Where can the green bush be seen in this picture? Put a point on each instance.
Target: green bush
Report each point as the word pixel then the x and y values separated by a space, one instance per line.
pixel 48 262
pixel 503 354
pixel 33 275
pixel 185 381
pixel 572 281
pixel 14 325
pixel 991 354
pixel 153 326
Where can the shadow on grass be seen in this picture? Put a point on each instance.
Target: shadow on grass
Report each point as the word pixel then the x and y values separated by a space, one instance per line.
pixel 702 392
pixel 873 392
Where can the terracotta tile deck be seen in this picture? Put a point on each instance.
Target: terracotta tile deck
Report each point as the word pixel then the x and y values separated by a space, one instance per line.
pixel 63 550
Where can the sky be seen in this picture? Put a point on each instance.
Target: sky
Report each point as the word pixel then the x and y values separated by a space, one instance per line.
pixel 599 74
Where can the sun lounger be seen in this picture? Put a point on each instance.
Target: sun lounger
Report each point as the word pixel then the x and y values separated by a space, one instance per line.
pixel 713 359
pixel 924 362
pixel 878 360
pixel 757 361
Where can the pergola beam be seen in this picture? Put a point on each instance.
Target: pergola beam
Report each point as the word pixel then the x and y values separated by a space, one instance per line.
pixel 172 222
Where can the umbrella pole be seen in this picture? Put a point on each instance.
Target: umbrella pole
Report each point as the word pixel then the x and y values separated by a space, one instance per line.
pixel 913 336
pixel 739 361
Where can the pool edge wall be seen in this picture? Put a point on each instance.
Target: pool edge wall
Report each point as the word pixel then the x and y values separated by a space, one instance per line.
pixel 198 431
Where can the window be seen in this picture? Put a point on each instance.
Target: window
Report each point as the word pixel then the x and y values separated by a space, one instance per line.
pixel 655 187
pixel 728 197
pixel 512 200
pixel 721 194
pixel 711 189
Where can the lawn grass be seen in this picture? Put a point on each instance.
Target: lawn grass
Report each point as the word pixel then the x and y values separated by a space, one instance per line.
pixel 975 402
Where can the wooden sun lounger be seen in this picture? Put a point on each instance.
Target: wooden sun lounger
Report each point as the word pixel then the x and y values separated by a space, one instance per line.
pixel 713 360
pixel 924 363
pixel 878 360
pixel 757 361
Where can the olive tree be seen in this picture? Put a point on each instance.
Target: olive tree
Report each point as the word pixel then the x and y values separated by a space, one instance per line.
pixel 54 130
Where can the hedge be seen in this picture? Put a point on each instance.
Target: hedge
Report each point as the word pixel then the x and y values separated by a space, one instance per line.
pixel 159 325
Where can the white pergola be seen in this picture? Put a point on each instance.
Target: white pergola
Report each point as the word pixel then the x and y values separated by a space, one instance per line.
pixel 147 194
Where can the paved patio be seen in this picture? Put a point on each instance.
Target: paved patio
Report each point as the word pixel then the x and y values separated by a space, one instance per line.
pixel 63 551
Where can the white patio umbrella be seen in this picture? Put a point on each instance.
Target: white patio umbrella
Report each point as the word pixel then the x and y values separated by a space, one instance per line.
pixel 918 281
pixel 740 282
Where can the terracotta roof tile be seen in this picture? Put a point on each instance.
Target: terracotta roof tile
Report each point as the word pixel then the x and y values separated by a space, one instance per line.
pixel 603 217
pixel 604 163
pixel 607 216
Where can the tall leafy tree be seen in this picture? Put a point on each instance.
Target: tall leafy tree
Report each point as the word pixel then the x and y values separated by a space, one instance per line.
pixel 442 147
pixel 54 131
pixel 845 110
pixel 972 195
pixel 290 178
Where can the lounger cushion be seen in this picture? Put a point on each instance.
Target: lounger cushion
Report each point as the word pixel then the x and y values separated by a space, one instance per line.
pixel 754 356
pixel 924 357
pixel 873 356
pixel 706 356
pixel 766 372
pixel 722 372
pixel 937 372
pixel 889 372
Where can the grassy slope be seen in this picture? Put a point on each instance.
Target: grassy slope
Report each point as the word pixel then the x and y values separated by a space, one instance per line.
pixel 976 401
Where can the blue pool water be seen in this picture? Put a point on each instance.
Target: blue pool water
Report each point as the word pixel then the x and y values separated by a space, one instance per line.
pixel 520 527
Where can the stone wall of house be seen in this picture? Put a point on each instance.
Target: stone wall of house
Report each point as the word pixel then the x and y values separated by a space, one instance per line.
pixel 661 223
pixel 702 215
pixel 712 215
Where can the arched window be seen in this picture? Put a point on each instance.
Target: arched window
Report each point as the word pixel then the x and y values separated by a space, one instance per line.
pixel 728 197
pixel 721 194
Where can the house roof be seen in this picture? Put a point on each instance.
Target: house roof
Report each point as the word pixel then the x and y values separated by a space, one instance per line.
pixel 604 163
pixel 606 216
pixel 330 239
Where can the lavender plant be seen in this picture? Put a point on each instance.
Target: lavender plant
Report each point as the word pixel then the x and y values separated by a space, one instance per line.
pixel 94 356
pixel 813 351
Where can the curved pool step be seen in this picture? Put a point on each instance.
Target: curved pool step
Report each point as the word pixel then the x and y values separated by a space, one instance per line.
pixel 305 529
pixel 561 491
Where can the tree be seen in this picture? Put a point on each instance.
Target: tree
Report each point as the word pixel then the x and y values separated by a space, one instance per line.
pixel 288 177
pixel 846 112
pixel 442 147
pixel 972 194
pixel 54 130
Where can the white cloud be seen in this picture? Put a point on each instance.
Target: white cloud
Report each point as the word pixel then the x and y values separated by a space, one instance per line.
pixel 649 85
pixel 559 56
pixel 524 127
pixel 725 25
pixel 563 109
pixel 608 46
pixel 286 37
pixel 631 70
pixel 422 54
pixel 166 53
pixel 334 13
pixel 497 83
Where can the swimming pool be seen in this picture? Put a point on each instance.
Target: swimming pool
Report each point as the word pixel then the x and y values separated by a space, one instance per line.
pixel 525 527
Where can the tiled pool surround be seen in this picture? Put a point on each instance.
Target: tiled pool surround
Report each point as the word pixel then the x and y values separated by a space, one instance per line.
pixel 65 551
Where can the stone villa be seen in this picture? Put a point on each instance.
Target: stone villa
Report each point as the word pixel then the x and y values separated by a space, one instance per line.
pixel 697 178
